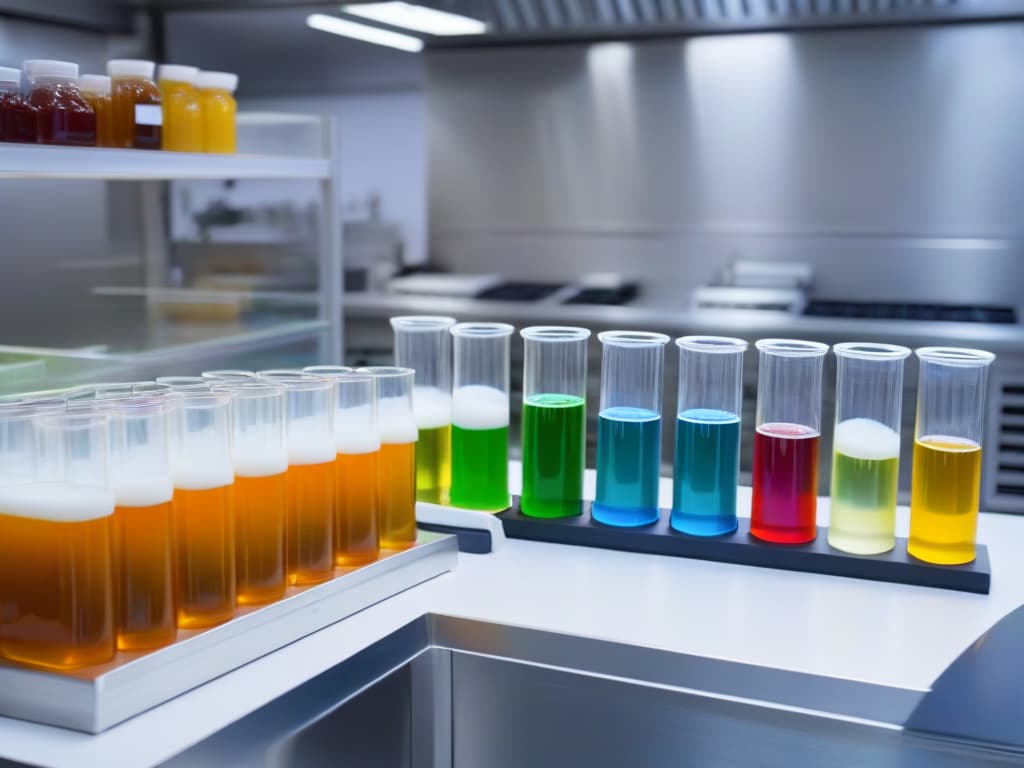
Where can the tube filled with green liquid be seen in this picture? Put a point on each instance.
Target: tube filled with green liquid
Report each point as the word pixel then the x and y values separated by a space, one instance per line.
pixel 480 411
pixel 554 420
pixel 424 343
pixel 866 447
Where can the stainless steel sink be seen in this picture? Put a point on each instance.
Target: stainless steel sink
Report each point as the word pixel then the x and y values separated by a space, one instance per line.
pixel 455 693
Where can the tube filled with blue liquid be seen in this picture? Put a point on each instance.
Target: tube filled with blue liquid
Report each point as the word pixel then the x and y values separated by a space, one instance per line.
pixel 629 428
pixel 707 460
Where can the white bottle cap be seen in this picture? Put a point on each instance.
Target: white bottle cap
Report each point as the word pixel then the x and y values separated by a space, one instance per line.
pixel 222 81
pixel 36 68
pixel 10 75
pixel 177 73
pixel 131 68
pixel 94 84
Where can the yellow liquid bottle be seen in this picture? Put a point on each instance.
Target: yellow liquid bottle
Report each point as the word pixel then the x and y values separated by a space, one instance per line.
pixel 183 116
pixel 218 108
pixel 96 90
pixel 944 499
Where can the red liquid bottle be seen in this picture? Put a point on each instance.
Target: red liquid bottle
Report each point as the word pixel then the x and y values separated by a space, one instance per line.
pixel 785 473
pixel 17 116
pixel 785 498
pixel 63 114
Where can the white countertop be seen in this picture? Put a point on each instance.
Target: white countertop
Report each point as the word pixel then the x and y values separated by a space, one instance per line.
pixel 876 632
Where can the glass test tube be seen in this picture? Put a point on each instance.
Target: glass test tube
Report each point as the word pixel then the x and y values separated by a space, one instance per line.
pixel 866 447
pixel 309 518
pixel 629 428
pixel 946 482
pixel 57 530
pixel 785 474
pixel 554 427
pixel 707 460
pixel 480 414
pixel 184 383
pixel 259 454
pixel 357 442
pixel 203 508
pixel 228 374
pixel 140 469
pixel 424 344
pixel 396 490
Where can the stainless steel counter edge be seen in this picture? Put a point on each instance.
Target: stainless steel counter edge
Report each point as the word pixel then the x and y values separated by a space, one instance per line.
pixel 740 322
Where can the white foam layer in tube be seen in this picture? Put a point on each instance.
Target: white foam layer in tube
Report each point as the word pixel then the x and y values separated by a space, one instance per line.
pixel 309 442
pixel 56 502
pixel 866 439
pixel 479 407
pixel 260 462
pixel 433 408
pixel 200 478
pixel 142 489
pixel 397 424
pixel 355 430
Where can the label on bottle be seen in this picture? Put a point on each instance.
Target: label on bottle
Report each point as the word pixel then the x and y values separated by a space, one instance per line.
pixel 148 114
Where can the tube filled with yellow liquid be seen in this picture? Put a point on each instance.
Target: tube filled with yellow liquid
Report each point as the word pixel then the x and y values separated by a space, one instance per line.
pixel 424 344
pixel 866 447
pixel 946 483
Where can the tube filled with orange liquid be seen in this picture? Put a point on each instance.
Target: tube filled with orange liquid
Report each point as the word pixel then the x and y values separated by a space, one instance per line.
pixel 96 90
pixel 143 552
pixel 357 463
pixel 203 518
pixel 260 458
pixel 55 538
pixel 396 477
pixel 946 483
pixel 309 518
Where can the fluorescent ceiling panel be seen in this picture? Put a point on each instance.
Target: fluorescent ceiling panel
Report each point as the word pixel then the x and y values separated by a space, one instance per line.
pixel 418 18
pixel 364 32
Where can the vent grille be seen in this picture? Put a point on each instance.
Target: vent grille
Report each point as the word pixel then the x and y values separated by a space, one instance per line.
pixel 518 17
pixel 1005 468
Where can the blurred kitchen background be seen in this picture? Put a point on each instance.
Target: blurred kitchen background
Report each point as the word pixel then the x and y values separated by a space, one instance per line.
pixel 835 170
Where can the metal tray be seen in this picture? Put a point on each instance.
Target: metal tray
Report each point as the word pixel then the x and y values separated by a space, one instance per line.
pixel 96 698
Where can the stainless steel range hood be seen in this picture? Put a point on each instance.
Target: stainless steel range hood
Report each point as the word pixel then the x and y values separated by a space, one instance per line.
pixel 514 21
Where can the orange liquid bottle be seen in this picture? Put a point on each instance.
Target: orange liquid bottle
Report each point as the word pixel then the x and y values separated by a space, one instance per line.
pixel 137 115
pixel 183 117
pixel 96 90
pixel 216 91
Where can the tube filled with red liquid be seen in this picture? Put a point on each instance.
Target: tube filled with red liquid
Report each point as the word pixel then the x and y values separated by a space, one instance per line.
pixel 785 472
pixel 63 116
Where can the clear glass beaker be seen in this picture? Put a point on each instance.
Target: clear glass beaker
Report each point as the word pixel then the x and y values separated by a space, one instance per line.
pixel 140 469
pixel 946 485
pixel 708 416
pixel 203 508
pixel 423 343
pixel 554 428
pixel 309 522
pixel 480 414
pixel 866 447
pixel 56 563
pixel 260 457
pixel 629 428
pixel 785 477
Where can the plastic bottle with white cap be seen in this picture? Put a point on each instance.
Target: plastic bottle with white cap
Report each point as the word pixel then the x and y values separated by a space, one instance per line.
pixel 63 116
pixel 216 94
pixel 17 116
pixel 183 117
pixel 138 117
pixel 96 90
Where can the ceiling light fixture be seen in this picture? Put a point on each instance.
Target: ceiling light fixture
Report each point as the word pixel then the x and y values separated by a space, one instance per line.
pixel 418 18
pixel 364 32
